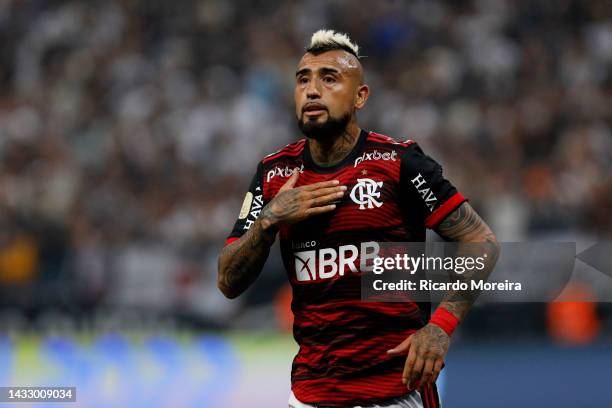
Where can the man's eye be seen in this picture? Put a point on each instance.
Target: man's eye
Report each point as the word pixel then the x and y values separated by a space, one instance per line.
pixel 302 80
pixel 329 79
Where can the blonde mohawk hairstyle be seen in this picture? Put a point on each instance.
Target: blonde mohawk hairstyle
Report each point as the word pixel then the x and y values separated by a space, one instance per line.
pixel 327 40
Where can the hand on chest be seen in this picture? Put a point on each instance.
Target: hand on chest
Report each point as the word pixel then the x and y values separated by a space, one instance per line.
pixel 371 199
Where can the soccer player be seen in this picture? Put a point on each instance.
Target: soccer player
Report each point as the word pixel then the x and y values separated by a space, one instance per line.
pixel 330 198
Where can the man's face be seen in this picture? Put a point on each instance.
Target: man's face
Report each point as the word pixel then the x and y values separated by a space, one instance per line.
pixel 327 92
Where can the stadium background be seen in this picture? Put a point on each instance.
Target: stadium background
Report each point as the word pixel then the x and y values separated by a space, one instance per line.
pixel 129 131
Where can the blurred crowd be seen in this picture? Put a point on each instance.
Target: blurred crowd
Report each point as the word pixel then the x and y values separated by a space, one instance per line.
pixel 130 129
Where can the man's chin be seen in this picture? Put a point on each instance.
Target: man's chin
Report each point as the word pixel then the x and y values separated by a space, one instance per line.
pixel 323 128
pixel 314 129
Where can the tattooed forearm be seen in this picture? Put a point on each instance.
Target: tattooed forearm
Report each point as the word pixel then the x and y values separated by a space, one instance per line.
pixel 241 262
pixel 475 239
pixel 464 225
pixel 427 347
pixel 285 204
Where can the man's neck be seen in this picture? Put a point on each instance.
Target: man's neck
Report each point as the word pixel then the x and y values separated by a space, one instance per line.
pixel 329 152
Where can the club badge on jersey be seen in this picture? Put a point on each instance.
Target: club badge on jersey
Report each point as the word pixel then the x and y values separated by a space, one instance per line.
pixel 366 194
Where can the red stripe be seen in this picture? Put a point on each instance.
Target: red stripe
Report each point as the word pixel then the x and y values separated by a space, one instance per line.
pixel 380 138
pixel 276 156
pixel 425 397
pixel 434 402
pixel 379 135
pixel 293 146
pixel 358 304
pixel 388 139
pixel 359 352
pixel 283 154
pixel 385 386
pixel 287 149
pixel 230 240
pixel 441 212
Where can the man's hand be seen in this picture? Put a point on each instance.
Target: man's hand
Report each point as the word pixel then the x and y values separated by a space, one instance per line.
pixel 240 262
pixel 292 205
pixel 426 349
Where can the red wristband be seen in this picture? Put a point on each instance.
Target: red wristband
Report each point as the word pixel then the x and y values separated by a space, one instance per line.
pixel 444 320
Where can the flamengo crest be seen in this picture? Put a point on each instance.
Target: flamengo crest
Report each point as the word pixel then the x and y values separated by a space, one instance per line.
pixel 365 193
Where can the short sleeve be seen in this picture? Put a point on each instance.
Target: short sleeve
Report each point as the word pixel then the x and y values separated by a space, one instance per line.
pixel 252 205
pixel 424 178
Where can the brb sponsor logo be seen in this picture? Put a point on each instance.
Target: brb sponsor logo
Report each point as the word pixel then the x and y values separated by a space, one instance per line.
pixel 366 194
pixel 325 263
pixel 376 155
pixel 282 172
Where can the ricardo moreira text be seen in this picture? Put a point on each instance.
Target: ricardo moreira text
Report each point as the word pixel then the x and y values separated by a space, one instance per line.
pixel 429 285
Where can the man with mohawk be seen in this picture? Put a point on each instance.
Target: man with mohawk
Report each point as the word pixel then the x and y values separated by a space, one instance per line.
pixel 330 198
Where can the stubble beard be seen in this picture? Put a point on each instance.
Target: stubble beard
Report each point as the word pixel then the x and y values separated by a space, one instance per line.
pixel 331 128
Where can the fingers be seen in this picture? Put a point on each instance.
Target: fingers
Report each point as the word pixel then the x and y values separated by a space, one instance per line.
pixel 312 199
pixel 425 359
pixel 402 348
pixel 427 372
pixel 321 184
pixel 408 367
pixel 326 199
pixel 436 370
pixel 320 210
pixel 325 191
pixel 323 196
pixel 291 181
pixel 417 370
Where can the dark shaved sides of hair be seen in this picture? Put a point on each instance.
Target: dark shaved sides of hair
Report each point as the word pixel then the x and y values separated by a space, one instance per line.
pixel 330 46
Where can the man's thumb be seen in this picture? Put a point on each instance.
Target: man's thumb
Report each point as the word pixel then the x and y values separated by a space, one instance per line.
pixel 292 180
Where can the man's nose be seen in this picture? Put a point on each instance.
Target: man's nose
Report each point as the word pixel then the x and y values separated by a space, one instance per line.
pixel 312 91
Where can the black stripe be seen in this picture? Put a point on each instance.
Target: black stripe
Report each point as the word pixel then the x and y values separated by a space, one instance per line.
pixel 361 402
pixel 436 395
pixel 347 369
pixel 424 397
pixel 338 334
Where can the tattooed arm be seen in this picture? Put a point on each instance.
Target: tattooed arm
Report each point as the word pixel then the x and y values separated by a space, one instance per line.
pixel 427 347
pixel 465 226
pixel 241 262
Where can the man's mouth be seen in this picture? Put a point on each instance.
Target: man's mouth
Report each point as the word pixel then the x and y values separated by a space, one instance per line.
pixel 314 109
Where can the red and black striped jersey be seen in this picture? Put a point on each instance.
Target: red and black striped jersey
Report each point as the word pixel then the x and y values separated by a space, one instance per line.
pixel 394 193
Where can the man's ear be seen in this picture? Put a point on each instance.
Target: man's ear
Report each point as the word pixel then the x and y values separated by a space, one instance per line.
pixel 362 96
